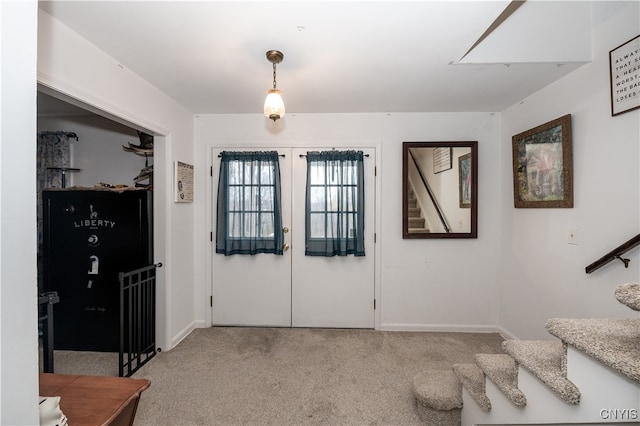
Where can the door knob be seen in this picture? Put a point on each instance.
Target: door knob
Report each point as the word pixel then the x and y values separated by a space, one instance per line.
pixel 285 229
pixel 285 247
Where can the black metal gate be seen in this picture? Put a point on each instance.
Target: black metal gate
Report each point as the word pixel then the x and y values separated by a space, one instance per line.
pixel 137 318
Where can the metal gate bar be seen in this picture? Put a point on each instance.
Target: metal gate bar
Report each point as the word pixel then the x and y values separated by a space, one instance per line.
pixel 137 318
pixel 46 319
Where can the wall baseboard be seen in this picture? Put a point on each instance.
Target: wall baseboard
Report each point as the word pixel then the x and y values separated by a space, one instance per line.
pixel 460 328
pixel 201 324
pixel 507 334
pixel 182 334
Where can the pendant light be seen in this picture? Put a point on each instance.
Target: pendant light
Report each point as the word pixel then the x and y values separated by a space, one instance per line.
pixel 274 105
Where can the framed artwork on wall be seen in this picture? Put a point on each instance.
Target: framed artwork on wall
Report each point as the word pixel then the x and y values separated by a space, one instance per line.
pixel 441 159
pixel 624 76
pixel 182 182
pixel 543 165
pixel 464 181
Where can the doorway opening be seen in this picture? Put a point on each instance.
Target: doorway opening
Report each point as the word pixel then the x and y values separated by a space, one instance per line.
pixel 105 155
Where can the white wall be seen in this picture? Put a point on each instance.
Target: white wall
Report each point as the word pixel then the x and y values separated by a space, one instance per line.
pixel 423 284
pixel 98 153
pixel 18 290
pixel 73 67
pixel 541 275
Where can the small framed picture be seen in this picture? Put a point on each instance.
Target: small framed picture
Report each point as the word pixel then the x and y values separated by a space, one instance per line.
pixel 183 182
pixel 543 165
pixel 624 74
pixel 441 159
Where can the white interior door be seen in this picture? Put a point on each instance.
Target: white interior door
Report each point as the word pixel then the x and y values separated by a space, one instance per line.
pixel 332 291
pixel 254 290
pixel 294 289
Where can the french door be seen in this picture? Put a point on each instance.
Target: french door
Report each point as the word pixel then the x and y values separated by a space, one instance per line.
pixel 294 290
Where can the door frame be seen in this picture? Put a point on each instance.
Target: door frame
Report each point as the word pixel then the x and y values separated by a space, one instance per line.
pixel 208 239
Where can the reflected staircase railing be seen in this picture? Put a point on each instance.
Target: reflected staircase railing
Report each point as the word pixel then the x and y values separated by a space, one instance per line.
pixel 432 196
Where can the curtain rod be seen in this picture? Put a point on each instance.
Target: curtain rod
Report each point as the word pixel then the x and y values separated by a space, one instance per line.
pixel 303 155
pixel 67 134
pixel 279 155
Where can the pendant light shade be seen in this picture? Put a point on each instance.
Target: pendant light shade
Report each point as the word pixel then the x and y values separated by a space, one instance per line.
pixel 273 104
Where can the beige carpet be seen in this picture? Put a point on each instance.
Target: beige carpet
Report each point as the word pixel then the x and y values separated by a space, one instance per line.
pixel 267 376
pixel 81 362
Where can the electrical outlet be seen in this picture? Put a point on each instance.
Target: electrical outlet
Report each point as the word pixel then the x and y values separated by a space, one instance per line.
pixel 572 237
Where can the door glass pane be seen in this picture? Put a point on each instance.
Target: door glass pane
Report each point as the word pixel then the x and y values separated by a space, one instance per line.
pixel 266 227
pixel 332 199
pixel 235 173
pixel 349 199
pixel 266 198
pixel 332 225
pixel 235 224
pixel 317 174
pixel 266 175
pixel 251 198
pixel 235 198
pixel 317 225
pixel 316 194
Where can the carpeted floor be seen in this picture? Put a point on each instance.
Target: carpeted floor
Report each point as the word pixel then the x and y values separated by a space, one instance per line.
pixel 81 362
pixel 267 376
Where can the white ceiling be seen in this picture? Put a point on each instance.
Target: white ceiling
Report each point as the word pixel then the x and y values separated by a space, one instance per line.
pixel 340 56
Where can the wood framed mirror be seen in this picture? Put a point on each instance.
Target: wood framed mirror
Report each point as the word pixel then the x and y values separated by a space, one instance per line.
pixel 439 190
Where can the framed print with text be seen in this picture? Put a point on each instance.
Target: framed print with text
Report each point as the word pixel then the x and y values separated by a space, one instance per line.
pixel 624 73
pixel 182 182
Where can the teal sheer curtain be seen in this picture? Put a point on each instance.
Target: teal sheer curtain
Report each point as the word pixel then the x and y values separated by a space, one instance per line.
pixel 335 204
pixel 249 219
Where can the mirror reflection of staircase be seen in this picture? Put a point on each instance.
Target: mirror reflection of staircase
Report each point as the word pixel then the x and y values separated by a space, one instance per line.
pixel 417 222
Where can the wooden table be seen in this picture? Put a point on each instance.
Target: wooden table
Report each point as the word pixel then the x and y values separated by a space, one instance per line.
pixel 95 400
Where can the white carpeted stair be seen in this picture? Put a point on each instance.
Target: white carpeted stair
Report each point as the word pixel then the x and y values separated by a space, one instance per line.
pixel 546 360
pixel 590 375
pixel 474 381
pixel 613 342
pixel 416 222
pixel 629 294
pixel 438 397
pixel 502 370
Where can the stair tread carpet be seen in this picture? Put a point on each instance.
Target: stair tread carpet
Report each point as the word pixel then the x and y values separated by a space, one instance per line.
pixel 547 360
pixel 414 211
pixel 612 341
pixel 502 370
pixel 416 222
pixel 439 389
pixel 629 294
pixel 438 396
pixel 473 380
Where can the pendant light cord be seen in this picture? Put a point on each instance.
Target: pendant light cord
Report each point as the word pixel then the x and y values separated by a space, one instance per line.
pixel 274 76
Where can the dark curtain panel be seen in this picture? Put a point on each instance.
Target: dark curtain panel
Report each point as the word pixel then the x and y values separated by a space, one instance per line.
pixel 335 203
pixel 53 155
pixel 249 217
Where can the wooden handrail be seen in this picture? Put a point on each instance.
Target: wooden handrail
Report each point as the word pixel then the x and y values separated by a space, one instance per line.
pixel 616 253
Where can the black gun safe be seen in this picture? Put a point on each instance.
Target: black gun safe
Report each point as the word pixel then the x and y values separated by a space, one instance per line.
pixel 89 237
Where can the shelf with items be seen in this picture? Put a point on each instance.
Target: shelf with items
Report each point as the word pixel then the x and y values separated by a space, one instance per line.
pixel 145 178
